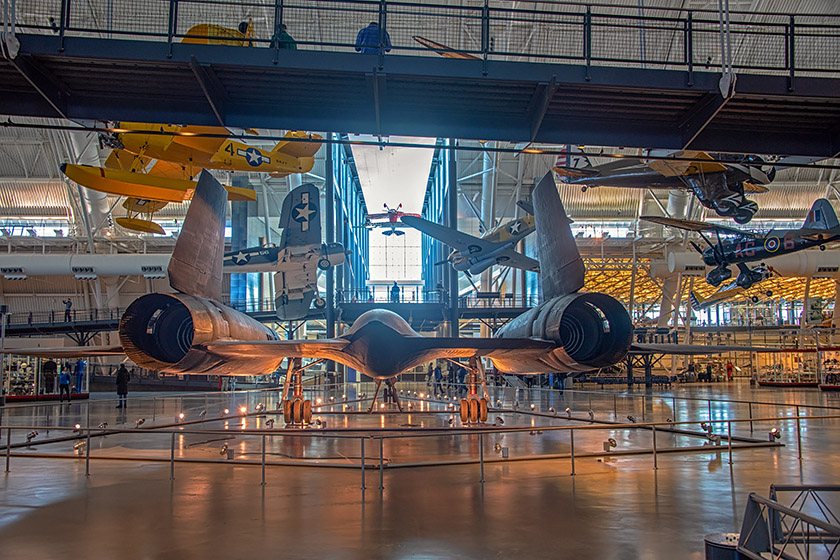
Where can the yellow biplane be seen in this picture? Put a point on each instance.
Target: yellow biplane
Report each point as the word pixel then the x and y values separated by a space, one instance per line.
pixel 154 164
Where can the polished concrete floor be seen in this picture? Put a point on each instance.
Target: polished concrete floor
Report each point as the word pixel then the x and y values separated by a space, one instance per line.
pixel 312 505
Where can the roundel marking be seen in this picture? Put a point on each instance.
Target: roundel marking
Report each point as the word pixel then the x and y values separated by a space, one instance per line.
pixel 772 244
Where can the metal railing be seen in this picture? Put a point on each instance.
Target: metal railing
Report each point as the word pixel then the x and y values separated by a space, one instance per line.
pixel 770 527
pixel 588 34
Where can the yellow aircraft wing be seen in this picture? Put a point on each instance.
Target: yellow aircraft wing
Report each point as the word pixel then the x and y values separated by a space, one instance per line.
pixel 126 161
pixel 205 144
pixel 142 186
pixel 677 168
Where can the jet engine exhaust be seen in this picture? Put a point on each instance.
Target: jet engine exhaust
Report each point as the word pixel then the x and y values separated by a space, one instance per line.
pixel 591 330
pixel 170 332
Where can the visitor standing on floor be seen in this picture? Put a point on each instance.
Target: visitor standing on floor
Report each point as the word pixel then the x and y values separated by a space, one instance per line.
pixel 68 304
pixel 79 373
pixel 64 384
pixel 123 377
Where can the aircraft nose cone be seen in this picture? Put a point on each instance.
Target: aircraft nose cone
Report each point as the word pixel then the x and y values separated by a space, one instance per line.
pixel 62 167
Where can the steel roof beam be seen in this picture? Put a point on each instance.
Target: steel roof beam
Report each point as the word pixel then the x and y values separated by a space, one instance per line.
pixel 213 89
pixel 48 87
pixel 699 115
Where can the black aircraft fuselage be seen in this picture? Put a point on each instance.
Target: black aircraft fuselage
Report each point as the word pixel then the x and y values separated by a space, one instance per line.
pixel 775 243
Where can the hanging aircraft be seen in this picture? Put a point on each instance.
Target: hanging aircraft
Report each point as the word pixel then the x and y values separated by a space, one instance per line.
pixel 189 332
pixel 820 227
pixel 474 255
pixel 154 164
pixel 719 181
pixel 392 217
pixel 725 292
pixel 298 258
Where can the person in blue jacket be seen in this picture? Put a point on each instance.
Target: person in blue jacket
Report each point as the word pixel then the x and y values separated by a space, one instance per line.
pixel 367 41
pixel 64 383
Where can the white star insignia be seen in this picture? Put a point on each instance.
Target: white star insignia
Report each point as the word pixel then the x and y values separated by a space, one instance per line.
pixel 240 258
pixel 514 227
pixel 303 212
pixel 254 157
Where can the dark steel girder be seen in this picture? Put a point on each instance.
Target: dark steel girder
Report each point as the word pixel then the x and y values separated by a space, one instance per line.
pixel 420 96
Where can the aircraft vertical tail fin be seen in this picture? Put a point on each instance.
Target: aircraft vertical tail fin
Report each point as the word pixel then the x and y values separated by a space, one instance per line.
pixel 572 163
pixel 821 216
pixel 696 301
pixel 561 268
pixel 196 264
pixel 300 217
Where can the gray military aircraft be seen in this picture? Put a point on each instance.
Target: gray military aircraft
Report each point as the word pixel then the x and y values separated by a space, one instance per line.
pixel 474 255
pixel 297 259
pixel 189 332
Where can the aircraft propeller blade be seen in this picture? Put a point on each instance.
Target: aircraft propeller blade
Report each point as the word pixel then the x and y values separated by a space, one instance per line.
pixel 444 261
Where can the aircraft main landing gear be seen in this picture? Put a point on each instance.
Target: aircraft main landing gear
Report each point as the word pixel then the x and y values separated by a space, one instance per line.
pixel 297 411
pixel 474 408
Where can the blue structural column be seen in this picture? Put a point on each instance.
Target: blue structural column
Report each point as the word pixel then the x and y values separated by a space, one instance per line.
pixel 239 240
pixel 452 221
pixel 329 191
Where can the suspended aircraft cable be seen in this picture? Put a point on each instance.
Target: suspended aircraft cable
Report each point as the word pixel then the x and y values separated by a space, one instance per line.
pixel 388 144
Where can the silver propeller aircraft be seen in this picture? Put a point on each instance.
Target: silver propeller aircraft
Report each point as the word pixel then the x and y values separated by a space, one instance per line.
pixel 474 255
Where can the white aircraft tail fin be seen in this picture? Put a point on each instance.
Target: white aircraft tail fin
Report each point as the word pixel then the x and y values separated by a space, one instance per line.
pixel 572 163
pixel 821 216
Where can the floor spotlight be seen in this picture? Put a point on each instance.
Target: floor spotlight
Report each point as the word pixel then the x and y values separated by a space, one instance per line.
pixel 77 428
pixel 631 418
pixel 775 434
pixel 223 449
pixel 533 406
pixel 499 420
pixel 243 409
pixel 202 414
pixel 270 423
pixel 139 422
pixel 80 447
pixel 180 416
pixel 226 412
pixel 568 412
pixel 103 425
pixel 591 415
pixel 31 435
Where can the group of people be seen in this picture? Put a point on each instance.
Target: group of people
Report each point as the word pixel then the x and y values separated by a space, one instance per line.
pixel 443 381
pixel 67 375
pixel 708 374
pixel 367 40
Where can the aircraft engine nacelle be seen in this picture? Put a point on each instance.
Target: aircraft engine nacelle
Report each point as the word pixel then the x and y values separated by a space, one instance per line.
pixel 592 330
pixel 167 332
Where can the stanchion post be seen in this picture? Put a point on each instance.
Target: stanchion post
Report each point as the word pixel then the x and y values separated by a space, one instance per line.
pixel 751 422
pixel 674 410
pixel 8 446
pixel 644 405
pixel 572 443
pixel 363 462
pixel 615 408
pixel 655 459
pixel 172 457
pixel 154 408
pixel 710 409
pixel 729 432
pixel 87 452
pixel 481 455
pixel 262 464
pixel 798 434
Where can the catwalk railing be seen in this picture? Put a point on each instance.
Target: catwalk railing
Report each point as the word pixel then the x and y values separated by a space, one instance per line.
pixel 572 32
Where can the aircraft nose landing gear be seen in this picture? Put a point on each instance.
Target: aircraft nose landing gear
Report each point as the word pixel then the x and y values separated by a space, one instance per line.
pixel 745 211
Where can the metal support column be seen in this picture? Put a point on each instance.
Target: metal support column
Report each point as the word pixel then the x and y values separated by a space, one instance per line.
pixel 329 191
pixel 452 221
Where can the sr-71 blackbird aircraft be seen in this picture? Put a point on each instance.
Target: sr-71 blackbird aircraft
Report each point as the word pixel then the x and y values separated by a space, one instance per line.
pixel 296 261
pixel 820 227
pixel 154 164
pixel 190 332
pixel 474 255
pixel 719 183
